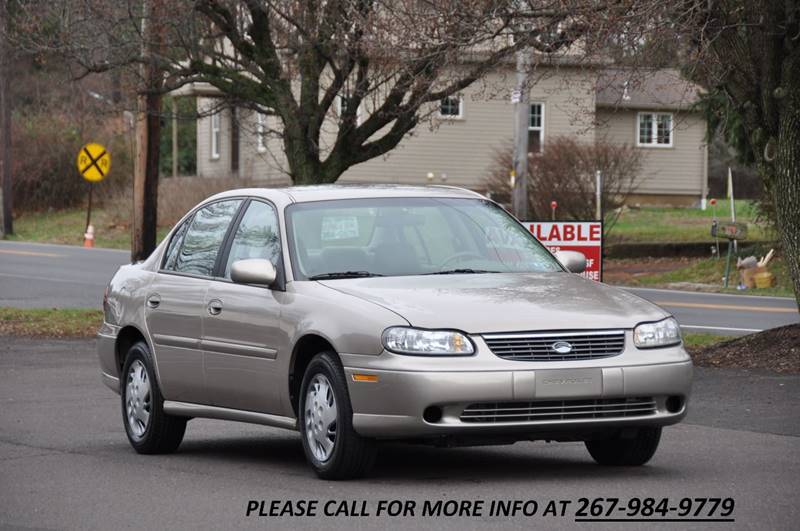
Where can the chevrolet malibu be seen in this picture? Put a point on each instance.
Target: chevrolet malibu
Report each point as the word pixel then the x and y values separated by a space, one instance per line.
pixel 360 314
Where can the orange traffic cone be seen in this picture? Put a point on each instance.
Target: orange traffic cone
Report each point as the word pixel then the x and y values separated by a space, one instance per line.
pixel 88 236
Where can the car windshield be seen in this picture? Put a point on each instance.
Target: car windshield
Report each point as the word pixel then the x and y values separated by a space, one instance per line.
pixel 409 236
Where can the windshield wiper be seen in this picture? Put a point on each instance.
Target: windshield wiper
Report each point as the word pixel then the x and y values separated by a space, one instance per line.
pixel 344 274
pixel 463 271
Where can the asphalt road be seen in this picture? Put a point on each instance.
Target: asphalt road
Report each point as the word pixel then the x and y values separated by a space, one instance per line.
pixel 45 276
pixel 722 313
pixel 65 463
pixel 34 275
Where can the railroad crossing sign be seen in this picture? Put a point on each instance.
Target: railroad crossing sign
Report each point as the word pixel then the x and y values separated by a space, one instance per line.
pixel 94 162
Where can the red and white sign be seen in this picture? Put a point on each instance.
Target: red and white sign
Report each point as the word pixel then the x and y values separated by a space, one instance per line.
pixel 583 236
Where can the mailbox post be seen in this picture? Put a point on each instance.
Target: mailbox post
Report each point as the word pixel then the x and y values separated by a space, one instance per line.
pixel 733 231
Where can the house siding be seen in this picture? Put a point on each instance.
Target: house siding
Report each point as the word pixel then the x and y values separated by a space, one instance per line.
pixel 206 165
pixel 268 165
pixel 464 149
pixel 677 170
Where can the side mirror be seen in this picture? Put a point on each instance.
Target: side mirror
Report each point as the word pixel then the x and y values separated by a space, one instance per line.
pixel 574 261
pixel 253 271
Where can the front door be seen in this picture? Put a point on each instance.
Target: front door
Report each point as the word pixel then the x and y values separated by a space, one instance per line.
pixel 241 323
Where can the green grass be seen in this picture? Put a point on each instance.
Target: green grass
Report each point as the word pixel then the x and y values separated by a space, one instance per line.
pixel 657 224
pixel 72 323
pixel 710 271
pixel 701 340
pixel 67 227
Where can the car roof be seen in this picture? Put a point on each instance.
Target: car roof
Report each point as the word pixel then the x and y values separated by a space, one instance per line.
pixel 302 194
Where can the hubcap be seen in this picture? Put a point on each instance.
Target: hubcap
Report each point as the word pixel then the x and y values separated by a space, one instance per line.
pixel 320 418
pixel 137 400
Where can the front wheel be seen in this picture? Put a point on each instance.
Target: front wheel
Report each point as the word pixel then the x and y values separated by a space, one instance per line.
pixel 620 450
pixel 149 429
pixel 331 445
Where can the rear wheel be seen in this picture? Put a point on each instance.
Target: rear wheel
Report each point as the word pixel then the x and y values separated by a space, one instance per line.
pixel 622 450
pixel 149 429
pixel 331 445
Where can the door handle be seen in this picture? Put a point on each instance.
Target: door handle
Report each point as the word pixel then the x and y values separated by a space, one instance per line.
pixel 154 300
pixel 215 307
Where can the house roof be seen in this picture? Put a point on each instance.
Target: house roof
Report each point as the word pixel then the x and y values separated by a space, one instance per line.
pixel 656 89
pixel 650 89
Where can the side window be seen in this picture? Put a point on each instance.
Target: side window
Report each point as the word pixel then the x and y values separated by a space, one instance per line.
pixel 256 236
pixel 203 238
pixel 171 256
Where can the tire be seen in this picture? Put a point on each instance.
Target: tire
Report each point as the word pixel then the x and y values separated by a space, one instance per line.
pixel 626 451
pixel 325 404
pixel 149 429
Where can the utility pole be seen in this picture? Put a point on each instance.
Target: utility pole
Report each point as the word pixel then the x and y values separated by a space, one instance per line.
pixel 174 136
pixel 522 116
pixel 598 193
pixel 6 207
pixel 148 131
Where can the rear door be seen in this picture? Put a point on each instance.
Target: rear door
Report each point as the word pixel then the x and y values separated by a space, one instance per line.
pixel 241 328
pixel 175 301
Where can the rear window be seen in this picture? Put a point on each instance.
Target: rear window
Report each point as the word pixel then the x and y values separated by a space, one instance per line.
pixel 202 241
pixel 171 256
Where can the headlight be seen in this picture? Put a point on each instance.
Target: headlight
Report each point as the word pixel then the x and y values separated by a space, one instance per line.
pixel 414 341
pixel 659 334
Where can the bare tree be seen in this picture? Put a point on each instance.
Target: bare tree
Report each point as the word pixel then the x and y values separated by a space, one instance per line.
pixel 388 62
pixel 344 80
pixel 565 172
pixel 747 54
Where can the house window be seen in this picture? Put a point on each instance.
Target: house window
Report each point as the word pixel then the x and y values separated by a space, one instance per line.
pixel 655 129
pixel 215 135
pixel 261 132
pixel 536 128
pixel 451 107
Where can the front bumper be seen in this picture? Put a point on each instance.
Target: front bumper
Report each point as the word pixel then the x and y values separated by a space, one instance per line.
pixel 393 407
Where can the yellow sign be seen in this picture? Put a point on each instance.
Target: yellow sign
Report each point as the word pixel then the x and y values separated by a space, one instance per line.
pixel 94 162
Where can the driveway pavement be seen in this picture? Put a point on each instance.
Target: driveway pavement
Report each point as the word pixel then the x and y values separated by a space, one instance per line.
pixel 65 463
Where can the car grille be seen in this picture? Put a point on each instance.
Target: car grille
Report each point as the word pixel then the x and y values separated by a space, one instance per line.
pixel 537 346
pixel 559 410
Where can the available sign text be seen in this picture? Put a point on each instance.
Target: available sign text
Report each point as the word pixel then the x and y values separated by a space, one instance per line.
pixel 583 236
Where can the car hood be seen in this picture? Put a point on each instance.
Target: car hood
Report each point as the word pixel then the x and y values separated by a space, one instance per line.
pixel 503 302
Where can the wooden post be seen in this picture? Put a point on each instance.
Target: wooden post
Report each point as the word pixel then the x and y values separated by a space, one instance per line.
pixel 728 263
pixel 139 165
pixel 148 131
pixel 519 197
pixel 89 208
pixel 6 207
pixel 598 192
pixel 174 136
